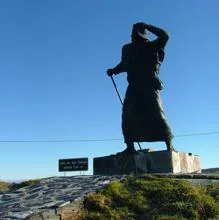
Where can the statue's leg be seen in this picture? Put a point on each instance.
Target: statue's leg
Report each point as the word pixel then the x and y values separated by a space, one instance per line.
pixel 128 121
pixel 169 145
pixel 130 147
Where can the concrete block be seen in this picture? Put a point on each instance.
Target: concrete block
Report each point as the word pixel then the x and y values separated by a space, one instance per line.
pixel 146 161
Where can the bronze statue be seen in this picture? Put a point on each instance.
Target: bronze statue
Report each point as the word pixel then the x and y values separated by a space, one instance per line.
pixel 143 118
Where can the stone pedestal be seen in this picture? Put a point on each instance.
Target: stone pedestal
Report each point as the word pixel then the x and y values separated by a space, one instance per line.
pixel 146 161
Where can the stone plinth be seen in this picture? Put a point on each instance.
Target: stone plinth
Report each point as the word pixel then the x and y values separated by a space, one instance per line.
pixel 146 161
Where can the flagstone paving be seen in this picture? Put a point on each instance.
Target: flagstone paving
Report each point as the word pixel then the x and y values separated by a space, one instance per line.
pixel 48 195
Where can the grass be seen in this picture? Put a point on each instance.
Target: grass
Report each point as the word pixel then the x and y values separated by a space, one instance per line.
pixel 15 186
pixel 4 186
pixel 148 197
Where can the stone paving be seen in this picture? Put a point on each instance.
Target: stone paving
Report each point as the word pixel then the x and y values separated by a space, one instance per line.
pixel 48 195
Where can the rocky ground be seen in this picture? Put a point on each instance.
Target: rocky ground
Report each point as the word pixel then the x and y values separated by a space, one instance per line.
pixel 59 197
pixel 48 196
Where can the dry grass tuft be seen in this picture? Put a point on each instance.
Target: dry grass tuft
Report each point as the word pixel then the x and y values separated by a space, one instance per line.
pixel 4 186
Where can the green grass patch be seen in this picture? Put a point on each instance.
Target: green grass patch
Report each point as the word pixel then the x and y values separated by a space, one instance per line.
pixel 148 197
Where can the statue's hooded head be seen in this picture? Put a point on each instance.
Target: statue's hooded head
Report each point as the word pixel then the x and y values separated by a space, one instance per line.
pixel 139 32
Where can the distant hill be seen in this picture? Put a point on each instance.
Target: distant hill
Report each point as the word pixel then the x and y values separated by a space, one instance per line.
pixel 4 186
pixel 211 170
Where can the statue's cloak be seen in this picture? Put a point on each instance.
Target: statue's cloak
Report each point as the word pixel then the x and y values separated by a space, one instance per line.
pixel 143 118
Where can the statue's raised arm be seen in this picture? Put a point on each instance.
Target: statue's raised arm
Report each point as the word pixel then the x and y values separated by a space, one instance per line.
pixel 162 35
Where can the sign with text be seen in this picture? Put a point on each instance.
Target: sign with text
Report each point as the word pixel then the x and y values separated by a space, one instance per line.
pixel 73 164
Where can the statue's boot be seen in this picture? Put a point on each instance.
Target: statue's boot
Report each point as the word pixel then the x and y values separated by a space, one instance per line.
pixel 130 149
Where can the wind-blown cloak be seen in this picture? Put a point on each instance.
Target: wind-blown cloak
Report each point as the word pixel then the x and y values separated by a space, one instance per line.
pixel 143 118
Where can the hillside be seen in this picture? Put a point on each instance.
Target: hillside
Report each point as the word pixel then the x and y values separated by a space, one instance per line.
pixel 131 197
pixel 211 170
pixel 149 197
pixel 4 186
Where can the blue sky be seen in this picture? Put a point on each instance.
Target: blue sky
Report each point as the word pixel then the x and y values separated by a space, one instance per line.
pixel 53 85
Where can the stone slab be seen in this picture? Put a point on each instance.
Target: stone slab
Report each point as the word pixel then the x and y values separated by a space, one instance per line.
pixel 146 161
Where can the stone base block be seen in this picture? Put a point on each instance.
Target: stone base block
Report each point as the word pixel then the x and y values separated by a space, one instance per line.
pixel 146 161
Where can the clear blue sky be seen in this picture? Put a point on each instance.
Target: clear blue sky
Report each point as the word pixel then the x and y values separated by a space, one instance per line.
pixel 53 84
